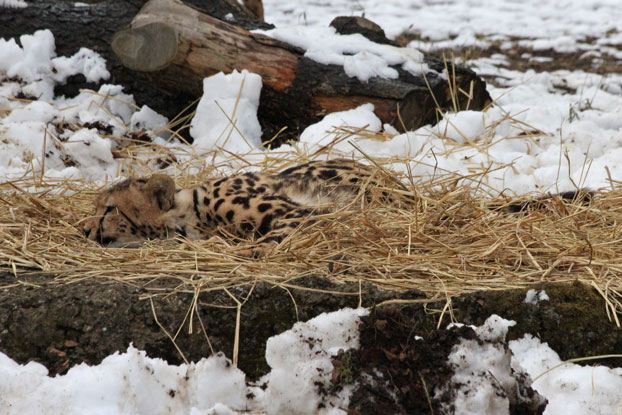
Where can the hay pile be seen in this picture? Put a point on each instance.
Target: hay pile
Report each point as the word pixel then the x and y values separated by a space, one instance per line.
pixel 445 243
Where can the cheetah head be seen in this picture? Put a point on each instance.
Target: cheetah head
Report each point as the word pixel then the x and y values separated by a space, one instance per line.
pixel 131 211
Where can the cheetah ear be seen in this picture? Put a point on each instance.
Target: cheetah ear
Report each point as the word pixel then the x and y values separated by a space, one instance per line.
pixel 162 189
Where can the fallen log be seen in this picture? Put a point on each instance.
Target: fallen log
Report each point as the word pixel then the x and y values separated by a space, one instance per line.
pixel 180 45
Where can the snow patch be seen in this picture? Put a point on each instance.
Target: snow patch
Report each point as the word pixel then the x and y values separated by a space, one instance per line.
pixel 129 382
pixel 484 382
pixel 300 359
pixel 535 296
pixel 360 57
pixel 570 388
pixel 148 119
pixel 226 117
pixel 322 133
pixel 35 64
pixel 18 4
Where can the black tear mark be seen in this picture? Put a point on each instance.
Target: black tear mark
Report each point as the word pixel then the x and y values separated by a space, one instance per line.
pixel 132 224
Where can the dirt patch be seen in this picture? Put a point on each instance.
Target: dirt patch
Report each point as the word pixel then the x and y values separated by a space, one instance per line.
pixel 408 369
pixel 399 373
pixel 402 361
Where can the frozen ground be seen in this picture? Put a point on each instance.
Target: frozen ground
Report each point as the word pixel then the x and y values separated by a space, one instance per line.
pixel 548 131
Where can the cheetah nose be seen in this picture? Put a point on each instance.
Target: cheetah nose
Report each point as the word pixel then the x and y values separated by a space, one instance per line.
pixel 87 232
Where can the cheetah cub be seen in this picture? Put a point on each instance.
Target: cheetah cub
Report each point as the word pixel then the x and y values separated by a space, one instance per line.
pixel 264 206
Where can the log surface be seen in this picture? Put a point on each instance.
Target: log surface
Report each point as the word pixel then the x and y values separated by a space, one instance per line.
pixel 297 91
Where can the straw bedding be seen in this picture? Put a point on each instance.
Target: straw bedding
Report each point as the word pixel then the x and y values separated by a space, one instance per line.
pixel 445 243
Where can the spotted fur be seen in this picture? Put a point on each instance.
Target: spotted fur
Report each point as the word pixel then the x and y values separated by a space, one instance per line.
pixel 267 207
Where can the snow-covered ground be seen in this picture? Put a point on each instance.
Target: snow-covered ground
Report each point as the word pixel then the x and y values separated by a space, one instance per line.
pixel 548 131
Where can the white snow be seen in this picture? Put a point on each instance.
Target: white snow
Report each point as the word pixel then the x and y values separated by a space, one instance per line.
pixel 360 57
pixel 535 296
pixel 547 132
pixel 300 360
pixel 483 382
pixel 322 133
pixel 35 64
pixel 466 22
pixel 147 119
pixel 571 389
pixel 226 116
pixel 462 127
pixel 123 383
pixel 13 4
pixel 31 142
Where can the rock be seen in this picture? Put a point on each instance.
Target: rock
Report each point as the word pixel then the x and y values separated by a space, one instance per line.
pixel 347 25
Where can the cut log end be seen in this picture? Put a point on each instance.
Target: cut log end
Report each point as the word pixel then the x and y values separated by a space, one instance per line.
pixel 147 48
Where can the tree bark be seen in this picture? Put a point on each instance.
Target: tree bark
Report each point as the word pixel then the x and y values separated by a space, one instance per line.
pixel 180 46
